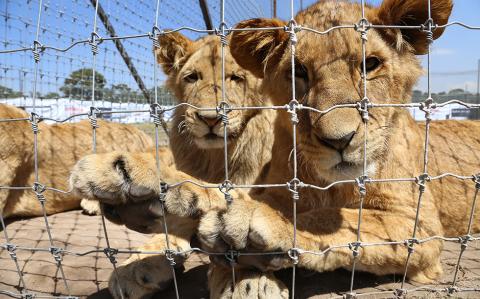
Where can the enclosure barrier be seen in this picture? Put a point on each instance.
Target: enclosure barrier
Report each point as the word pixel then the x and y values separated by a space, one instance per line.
pixel 156 112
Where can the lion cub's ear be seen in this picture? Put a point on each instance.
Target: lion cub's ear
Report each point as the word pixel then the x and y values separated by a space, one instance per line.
pixel 174 48
pixel 253 50
pixel 414 13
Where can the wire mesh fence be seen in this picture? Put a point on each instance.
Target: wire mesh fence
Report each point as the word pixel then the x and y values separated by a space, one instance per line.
pixel 34 50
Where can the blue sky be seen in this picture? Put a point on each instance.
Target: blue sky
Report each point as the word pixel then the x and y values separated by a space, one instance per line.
pixel 454 56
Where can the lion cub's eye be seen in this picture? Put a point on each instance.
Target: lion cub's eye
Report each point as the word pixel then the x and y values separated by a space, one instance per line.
pixel 236 78
pixel 371 63
pixel 301 72
pixel 191 78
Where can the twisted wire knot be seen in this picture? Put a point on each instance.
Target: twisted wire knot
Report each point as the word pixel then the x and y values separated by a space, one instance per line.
pixel 421 181
pixel 39 189
pixel 362 26
pixel 410 243
pixel 223 109
pixel 92 115
pixel 350 295
pixel 362 108
pixel 225 188
pixel 292 109
pixel 34 120
pixel 464 241
pixel 169 255
pixel 354 247
pixel 292 28
pixel 293 186
pixel 361 183
pixel 11 248
pixel 294 255
pixel 222 32
pixel 57 253
pixel 400 293
pixel 36 50
pixel 156 112
pixel 426 107
pixel 452 290
pixel 428 27
pixel 476 179
pixel 163 191
pixel 232 256
pixel 156 32
pixel 111 253
pixel 94 41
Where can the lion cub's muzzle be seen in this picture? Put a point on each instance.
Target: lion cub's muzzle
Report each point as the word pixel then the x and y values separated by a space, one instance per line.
pixel 338 144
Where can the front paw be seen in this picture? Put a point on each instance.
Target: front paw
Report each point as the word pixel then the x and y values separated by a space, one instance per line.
pixel 90 207
pixel 249 284
pixel 140 278
pixel 113 178
pixel 132 181
pixel 251 228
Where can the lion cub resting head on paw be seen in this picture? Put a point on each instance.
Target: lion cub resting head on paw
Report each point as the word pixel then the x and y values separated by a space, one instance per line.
pixel 194 72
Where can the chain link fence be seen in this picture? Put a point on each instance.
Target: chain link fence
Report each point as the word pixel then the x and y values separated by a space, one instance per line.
pixel 31 44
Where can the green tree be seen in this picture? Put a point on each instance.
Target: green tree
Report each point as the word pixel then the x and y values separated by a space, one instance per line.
pixel 8 93
pixel 456 91
pixel 52 95
pixel 79 84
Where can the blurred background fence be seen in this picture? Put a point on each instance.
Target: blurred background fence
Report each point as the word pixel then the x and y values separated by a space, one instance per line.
pixel 124 77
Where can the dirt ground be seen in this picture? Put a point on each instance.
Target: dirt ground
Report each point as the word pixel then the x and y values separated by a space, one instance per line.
pixel 87 275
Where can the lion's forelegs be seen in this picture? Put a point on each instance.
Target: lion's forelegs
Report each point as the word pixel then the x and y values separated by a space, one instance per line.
pixel 249 283
pixel 339 226
pixel 8 170
pixel 252 227
pixel 150 271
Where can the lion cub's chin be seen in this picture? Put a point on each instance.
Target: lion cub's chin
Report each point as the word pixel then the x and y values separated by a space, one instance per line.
pixel 209 142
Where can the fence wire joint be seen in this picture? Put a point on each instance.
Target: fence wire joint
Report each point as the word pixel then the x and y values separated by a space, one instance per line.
pixel 36 50
pixel 92 115
pixel 354 247
pixel 232 256
pixel 410 243
pixel 362 26
pixel 225 188
pixel 34 120
pixel 111 254
pixel 38 189
pixel 169 255
pixel 400 293
pixel 294 254
pixel 350 295
pixel 11 248
pixel 56 252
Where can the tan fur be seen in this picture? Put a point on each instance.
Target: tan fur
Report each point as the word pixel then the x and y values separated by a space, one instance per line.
pixel 196 156
pixel 262 220
pixel 394 146
pixel 60 146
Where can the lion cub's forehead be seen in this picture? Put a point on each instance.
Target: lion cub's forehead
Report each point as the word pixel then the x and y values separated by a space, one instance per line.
pixel 208 54
pixel 344 44
pixel 326 14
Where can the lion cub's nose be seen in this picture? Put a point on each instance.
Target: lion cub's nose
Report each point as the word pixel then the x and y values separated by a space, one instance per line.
pixel 338 144
pixel 211 118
